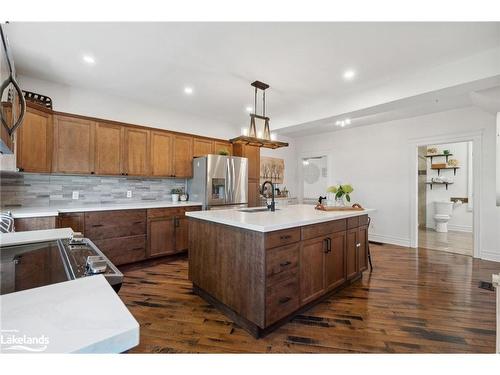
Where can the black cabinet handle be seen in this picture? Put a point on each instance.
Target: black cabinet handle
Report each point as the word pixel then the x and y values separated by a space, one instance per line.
pixel 286 237
pixel 138 222
pixel 97 225
pixel 329 244
pixel 137 248
pixel 284 264
pixel 92 172
pixel 20 169
pixel 284 300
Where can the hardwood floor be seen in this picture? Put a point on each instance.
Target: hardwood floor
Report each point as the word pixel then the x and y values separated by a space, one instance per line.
pixel 414 301
pixel 451 241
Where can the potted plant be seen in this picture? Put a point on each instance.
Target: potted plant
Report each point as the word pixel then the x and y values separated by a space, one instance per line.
pixel 223 151
pixel 175 194
pixel 341 191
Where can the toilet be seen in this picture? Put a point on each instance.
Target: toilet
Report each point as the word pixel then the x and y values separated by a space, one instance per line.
pixel 443 211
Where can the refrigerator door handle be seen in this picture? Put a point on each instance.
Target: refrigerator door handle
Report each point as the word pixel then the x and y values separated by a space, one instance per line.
pixel 233 181
pixel 227 182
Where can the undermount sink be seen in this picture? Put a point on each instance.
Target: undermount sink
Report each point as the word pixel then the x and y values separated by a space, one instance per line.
pixel 258 209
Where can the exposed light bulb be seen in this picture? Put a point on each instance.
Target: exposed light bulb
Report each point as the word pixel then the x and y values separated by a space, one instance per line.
pixel 249 109
pixel 259 134
pixel 244 131
pixel 274 136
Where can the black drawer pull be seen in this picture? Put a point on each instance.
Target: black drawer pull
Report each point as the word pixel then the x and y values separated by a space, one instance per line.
pixel 138 222
pixel 284 300
pixel 137 248
pixel 284 264
pixel 97 225
pixel 286 237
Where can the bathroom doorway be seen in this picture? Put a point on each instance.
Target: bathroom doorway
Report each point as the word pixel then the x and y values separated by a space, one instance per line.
pixel 445 200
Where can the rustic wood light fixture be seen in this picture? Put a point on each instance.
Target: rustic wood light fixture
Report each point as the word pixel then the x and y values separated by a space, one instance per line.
pixel 252 139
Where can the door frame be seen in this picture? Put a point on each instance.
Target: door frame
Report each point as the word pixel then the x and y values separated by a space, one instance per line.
pixel 300 174
pixel 476 138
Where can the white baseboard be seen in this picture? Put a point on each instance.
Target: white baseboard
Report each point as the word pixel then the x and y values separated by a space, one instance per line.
pixel 393 240
pixel 490 255
pixel 460 228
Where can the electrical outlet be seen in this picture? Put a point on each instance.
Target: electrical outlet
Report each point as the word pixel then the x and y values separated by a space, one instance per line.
pixel 129 193
pixel 76 195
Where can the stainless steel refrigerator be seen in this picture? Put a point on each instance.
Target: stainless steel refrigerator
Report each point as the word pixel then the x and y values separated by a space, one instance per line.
pixel 219 181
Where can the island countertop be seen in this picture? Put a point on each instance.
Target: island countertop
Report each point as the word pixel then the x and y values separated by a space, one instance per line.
pixel 267 221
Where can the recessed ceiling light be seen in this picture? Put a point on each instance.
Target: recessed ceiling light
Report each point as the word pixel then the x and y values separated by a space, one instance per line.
pixel 188 90
pixel 89 59
pixel 347 121
pixel 349 74
pixel 249 109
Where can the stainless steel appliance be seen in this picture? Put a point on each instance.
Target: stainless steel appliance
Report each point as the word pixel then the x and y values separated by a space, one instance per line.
pixel 11 95
pixel 219 181
pixel 38 264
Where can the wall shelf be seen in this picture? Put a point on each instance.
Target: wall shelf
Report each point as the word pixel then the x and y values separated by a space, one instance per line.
pixel 438 155
pixel 454 170
pixel 439 183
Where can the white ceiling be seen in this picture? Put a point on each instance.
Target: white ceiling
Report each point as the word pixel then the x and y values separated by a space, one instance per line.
pixel 303 62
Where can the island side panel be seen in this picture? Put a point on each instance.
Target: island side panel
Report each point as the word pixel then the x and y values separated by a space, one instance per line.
pixel 229 263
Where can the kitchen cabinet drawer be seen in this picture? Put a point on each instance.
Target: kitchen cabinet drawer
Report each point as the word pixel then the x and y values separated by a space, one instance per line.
pixel 112 224
pixel 363 220
pixel 74 221
pixel 165 212
pixel 123 250
pixel 34 223
pixel 281 263
pixel 282 237
pixel 352 222
pixel 282 299
pixel 317 230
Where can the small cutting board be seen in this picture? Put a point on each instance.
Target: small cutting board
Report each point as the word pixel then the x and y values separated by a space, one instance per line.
pixel 355 207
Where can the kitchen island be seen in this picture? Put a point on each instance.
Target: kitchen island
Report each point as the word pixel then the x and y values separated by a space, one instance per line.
pixel 261 268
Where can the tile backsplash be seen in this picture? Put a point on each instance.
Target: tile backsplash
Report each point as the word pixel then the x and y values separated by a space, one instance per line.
pixel 39 190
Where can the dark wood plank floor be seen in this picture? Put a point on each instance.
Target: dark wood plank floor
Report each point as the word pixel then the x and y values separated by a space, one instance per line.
pixel 421 301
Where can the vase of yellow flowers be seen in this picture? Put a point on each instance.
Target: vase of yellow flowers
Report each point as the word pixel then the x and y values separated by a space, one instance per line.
pixel 341 193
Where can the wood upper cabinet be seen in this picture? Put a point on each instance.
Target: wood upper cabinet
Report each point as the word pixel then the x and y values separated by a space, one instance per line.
pixel 73 145
pixel 34 142
pixel 162 144
pixel 311 262
pixel 108 149
pixel 221 145
pixel 183 156
pixel 334 261
pixel 202 147
pixel 137 151
pixel 252 153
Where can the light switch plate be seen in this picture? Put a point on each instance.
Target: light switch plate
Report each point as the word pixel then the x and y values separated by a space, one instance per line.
pixel 129 193
pixel 76 195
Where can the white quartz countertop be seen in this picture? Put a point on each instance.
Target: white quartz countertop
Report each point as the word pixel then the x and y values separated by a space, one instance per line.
pixel 267 221
pixel 78 316
pixel 27 212
pixel 32 236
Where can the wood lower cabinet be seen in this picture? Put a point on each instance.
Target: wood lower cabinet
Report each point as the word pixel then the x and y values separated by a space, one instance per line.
pixel 35 223
pixel 278 273
pixel 34 142
pixel 108 149
pixel 168 230
pixel 312 260
pixel 123 250
pixel 74 140
pixel 161 236
pixel 351 253
pixel 137 152
pixel 183 156
pixel 202 147
pixel 162 144
pixel 75 221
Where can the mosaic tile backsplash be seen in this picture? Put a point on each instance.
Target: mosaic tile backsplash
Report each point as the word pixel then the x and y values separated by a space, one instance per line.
pixel 42 190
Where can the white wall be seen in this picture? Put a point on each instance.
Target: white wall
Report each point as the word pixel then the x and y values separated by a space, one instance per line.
pixel 461 218
pixel 96 104
pixel 376 160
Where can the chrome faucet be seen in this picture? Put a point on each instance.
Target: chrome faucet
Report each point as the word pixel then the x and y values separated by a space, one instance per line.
pixel 271 206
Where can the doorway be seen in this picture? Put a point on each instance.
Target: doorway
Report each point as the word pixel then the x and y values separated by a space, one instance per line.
pixel 445 197
pixel 314 178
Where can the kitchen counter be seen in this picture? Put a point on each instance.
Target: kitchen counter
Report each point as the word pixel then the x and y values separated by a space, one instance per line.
pixel 28 212
pixel 267 221
pixel 78 316
pixel 33 236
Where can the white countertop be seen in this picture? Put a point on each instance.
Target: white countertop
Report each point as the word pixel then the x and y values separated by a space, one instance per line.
pixel 32 236
pixel 267 221
pixel 27 212
pixel 78 316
